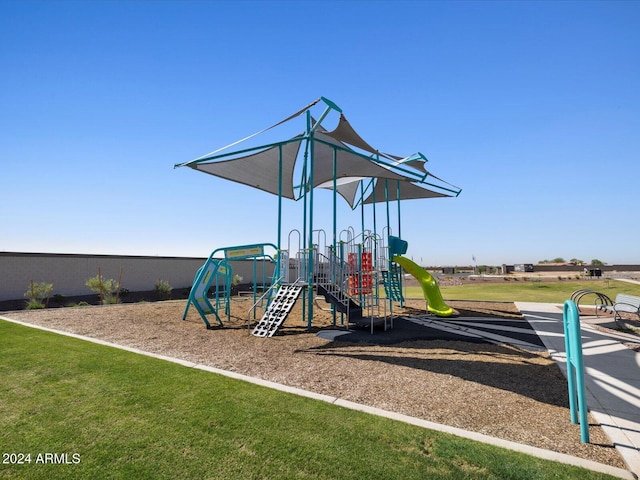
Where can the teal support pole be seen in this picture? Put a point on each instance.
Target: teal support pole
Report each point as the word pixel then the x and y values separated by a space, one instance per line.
pixel 373 206
pixel 575 369
pixel 279 196
pixel 305 186
pixel 341 263
pixel 335 198
pixel 310 230
pixel 331 104
pixel 399 236
pixel 399 222
pixel 362 210
pixel 386 201
pixel 255 289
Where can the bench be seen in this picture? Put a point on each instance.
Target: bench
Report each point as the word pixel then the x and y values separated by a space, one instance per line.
pixel 625 303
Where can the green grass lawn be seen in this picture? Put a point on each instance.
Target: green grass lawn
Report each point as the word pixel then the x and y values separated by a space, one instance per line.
pixel 530 291
pixel 117 414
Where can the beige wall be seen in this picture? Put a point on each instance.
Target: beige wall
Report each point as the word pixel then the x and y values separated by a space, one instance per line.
pixel 69 272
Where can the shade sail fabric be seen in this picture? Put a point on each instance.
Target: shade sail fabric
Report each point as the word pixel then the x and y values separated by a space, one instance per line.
pixel 348 163
pixel 340 157
pixel 345 133
pixel 408 191
pixel 259 170
pixel 347 187
pixel 418 164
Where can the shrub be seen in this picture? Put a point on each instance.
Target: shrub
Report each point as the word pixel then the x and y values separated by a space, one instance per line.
pixel 106 289
pixel 34 305
pixel 162 290
pixel 38 295
pixel 79 304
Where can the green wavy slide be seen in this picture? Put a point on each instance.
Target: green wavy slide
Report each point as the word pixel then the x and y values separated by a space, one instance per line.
pixel 430 288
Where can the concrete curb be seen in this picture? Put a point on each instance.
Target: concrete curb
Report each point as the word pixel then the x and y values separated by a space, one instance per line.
pixel 529 450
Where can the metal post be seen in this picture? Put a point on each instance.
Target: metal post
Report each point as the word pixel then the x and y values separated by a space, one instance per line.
pixel 335 197
pixel 399 236
pixel 575 369
pixel 310 231
pixel 279 195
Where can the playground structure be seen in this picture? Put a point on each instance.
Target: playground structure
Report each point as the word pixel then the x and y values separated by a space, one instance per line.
pixel 348 270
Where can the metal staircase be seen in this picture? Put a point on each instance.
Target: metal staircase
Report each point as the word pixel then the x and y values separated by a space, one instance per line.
pixel 331 281
pixel 277 311
pixel 343 302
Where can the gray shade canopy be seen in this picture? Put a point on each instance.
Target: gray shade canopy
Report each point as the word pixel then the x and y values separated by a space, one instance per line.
pixel 384 191
pixel 336 164
pixel 259 170
pixel 348 164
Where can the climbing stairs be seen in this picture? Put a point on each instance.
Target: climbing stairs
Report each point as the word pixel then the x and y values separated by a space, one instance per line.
pixel 278 310
pixel 343 303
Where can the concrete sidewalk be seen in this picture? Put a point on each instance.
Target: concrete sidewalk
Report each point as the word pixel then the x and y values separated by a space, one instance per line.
pixel 612 373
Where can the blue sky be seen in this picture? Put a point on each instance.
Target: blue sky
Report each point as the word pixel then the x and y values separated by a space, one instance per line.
pixel 532 108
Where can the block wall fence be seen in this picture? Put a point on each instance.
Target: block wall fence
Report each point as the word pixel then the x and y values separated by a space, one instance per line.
pixel 69 272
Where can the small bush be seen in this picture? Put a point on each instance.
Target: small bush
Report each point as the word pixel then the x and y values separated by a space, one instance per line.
pixel 105 288
pixel 34 305
pixel 79 304
pixel 38 295
pixel 162 290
